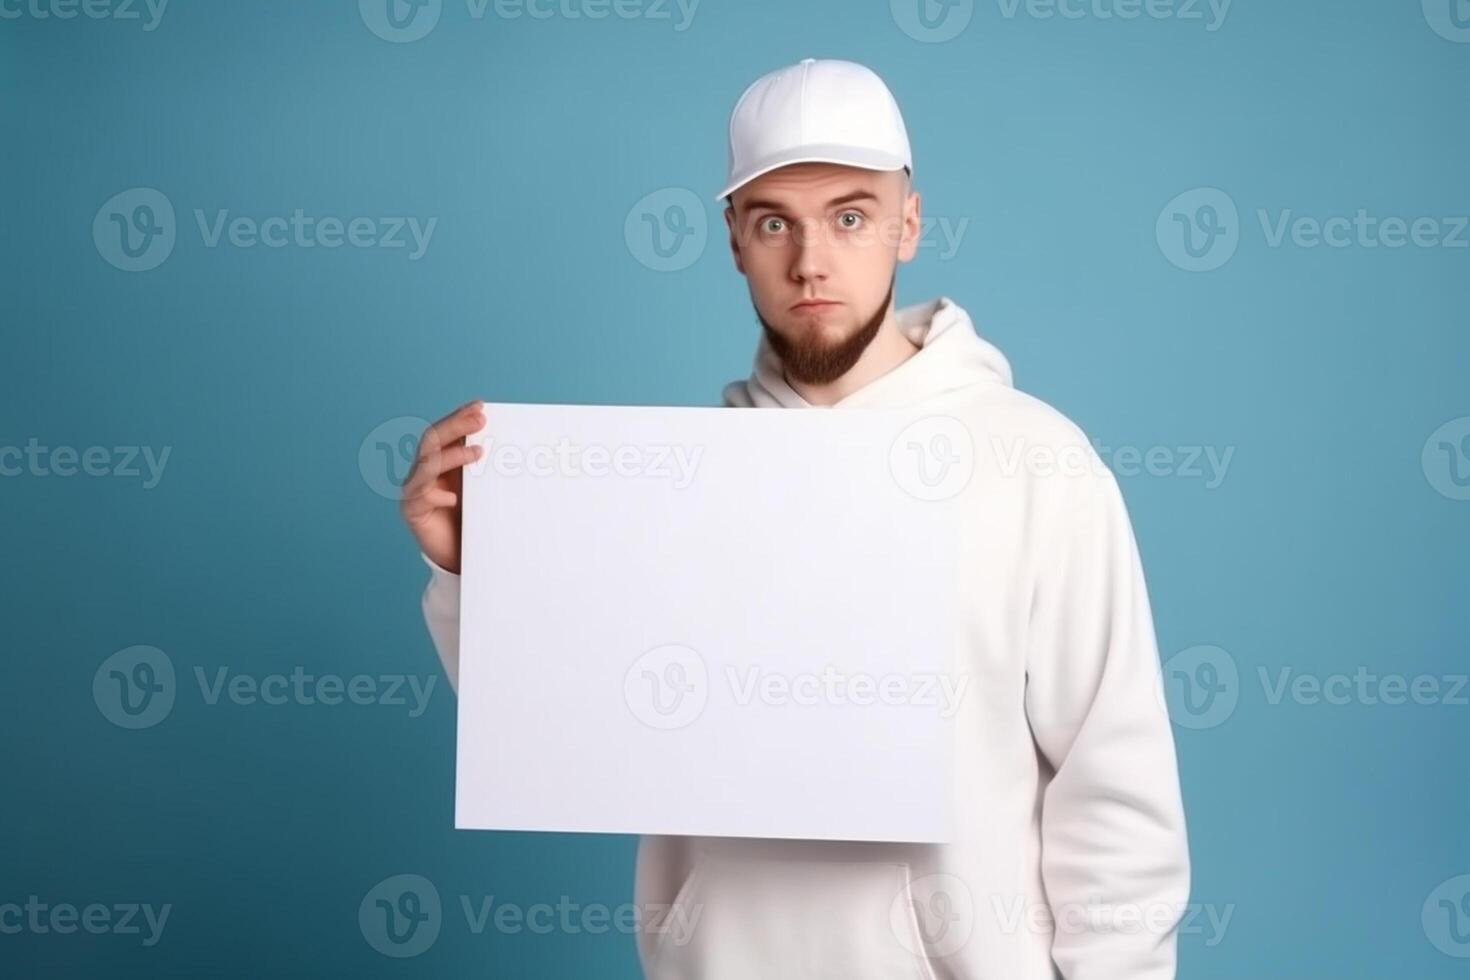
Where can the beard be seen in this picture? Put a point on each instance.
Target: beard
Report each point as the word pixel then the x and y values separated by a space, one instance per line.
pixel 810 360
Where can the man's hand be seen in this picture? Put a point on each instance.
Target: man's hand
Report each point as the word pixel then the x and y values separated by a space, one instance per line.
pixel 431 494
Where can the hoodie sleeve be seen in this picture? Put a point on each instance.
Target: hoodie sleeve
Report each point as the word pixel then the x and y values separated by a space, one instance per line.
pixel 441 613
pixel 1114 853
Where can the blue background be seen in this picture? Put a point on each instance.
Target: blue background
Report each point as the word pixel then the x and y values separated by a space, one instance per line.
pixel 265 547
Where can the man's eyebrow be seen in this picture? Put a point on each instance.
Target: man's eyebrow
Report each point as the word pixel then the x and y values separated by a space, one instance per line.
pixel 758 203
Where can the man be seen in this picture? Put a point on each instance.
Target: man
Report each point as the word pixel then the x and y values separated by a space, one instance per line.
pixel 1072 858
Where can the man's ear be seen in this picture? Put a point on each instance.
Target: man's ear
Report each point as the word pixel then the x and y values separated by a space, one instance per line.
pixel 908 245
pixel 734 237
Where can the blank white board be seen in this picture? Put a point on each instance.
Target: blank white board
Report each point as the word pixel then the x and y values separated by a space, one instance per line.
pixel 709 622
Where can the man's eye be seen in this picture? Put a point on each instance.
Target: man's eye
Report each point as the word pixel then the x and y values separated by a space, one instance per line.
pixel 850 219
pixel 772 226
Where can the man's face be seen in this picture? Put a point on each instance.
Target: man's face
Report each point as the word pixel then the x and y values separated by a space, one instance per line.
pixel 822 231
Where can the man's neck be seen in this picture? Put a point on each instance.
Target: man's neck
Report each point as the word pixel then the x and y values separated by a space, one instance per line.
pixel 889 349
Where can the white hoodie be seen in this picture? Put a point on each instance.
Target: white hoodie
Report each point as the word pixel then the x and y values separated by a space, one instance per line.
pixel 1072 858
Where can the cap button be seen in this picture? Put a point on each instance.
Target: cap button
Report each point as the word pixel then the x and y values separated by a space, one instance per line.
pixel 808 61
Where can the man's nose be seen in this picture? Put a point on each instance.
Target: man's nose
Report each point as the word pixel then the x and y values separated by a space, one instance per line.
pixel 813 255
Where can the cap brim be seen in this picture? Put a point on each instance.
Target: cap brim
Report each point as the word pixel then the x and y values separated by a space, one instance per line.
pixel 852 156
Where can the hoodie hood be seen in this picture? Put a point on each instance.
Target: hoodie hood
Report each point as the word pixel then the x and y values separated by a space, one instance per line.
pixel 951 355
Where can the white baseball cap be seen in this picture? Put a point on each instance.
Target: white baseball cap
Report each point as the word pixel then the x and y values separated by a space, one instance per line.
pixel 820 110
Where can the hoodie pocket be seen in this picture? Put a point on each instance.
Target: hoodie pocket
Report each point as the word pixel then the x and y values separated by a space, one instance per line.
pixel 737 919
